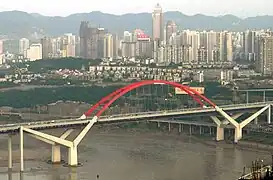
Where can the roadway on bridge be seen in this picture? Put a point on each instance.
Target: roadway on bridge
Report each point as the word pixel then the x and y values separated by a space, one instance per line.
pixel 128 117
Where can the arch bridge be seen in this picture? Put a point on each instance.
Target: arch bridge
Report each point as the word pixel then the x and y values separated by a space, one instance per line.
pixel 94 115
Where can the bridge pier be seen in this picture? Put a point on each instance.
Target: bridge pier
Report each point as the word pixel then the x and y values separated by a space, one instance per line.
pixel 21 150
pixel 73 156
pixel 256 121
pixel 179 128
pixel 57 141
pixel 269 115
pixel 238 134
pixel 10 152
pixel 220 133
pixel 56 154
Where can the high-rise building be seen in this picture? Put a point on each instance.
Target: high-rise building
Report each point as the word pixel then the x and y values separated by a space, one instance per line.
pixel 265 65
pixel 158 24
pixel 69 41
pixel 85 40
pixel 194 42
pixel 170 29
pixel 108 46
pixel 229 47
pixel 128 45
pixel 1 47
pixel 203 39
pixel 47 47
pixel 212 39
pixel 115 45
pixel 23 46
pixel 225 47
pixel 143 44
pixel 100 43
pixel 91 41
pixel 249 38
pixel 222 46
pixel 34 52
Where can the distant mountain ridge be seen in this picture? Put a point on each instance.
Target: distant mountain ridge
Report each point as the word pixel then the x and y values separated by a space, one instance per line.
pixel 22 24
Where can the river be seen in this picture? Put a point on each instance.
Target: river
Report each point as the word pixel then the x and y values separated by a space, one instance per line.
pixel 122 155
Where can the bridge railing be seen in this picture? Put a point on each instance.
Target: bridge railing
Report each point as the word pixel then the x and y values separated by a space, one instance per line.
pixel 129 114
pixel 184 109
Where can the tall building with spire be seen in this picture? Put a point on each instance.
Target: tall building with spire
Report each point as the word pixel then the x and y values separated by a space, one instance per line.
pixel 158 23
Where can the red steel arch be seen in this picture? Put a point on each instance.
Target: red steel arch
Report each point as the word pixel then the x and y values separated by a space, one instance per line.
pixel 112 97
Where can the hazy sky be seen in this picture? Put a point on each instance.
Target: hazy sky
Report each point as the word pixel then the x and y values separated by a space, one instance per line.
pixel 241 8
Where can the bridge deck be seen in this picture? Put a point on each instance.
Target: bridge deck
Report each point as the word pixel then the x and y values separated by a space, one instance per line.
pixel 125 117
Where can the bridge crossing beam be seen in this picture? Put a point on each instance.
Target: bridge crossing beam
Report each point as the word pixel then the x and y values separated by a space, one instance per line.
pixel 57 141
pixel 220 130
pixel 254 116
pixel 239 126
pixel 56 148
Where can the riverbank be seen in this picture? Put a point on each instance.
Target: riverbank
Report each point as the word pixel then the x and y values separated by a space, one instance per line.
pixel 261 142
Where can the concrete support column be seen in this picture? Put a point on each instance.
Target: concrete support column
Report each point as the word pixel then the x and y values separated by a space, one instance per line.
pixel 256 121
pixel 190 130
pixel 179 128
pixel 21 150
pixel 210 131
pixel 247 97
pixel 238 134
pixel 56 154
pixel 169 127
pixel 9 152
pixel 73 156
pixel 269 115
pixel 200 130
pixel 220 135
pixel 158 124
pixel 73 174
pixel 10 175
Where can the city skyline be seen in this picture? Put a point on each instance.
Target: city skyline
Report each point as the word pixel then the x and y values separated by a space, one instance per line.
pixel 241 8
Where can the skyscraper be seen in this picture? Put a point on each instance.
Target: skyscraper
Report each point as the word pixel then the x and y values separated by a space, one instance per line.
pixel 47 47
pixel 108 46
pixel 265 65
pixel 84 31
pixel 91 41
pixel 69 41
pixel 1 47
pixel 212 39
pixel 249 45
pixel 23 46
pixel 229 47
pixel 170 29
pixel 158 23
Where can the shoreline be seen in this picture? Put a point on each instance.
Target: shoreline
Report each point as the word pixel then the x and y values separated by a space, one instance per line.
pixel 207 140
pixel 108 130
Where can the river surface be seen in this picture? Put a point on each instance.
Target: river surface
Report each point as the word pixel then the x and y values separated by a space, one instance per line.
pixel 122 155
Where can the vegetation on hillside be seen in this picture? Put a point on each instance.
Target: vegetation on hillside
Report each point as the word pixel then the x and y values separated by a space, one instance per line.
pixel 43 96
